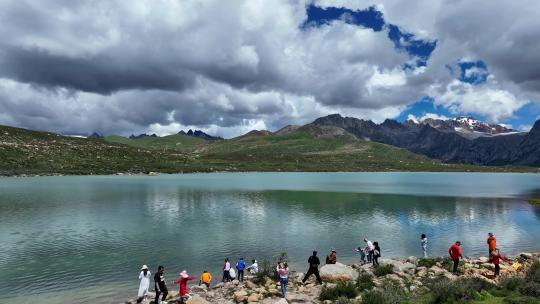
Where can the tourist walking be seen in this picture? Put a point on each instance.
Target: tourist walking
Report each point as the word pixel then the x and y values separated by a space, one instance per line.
pixel 492 242
pixel 496 258
pixel 226 271
pixel 159 285
pixel 313 268
pixel 283 273
pixel 254 267
pixel 240 266
pixel 455 254
pixel 376 253
pixel 183 280
pixel 144 276
pixel 423 241
pixel 362 252
pixel 332 257
pixel 205 278
pixel 370 248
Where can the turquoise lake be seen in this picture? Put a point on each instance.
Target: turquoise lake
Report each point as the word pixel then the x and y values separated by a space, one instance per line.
pixel 82 239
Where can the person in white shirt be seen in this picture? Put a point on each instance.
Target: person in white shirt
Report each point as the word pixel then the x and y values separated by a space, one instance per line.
pixel 371 248
pixel 254 267
pixel 423 240
pixel 226 271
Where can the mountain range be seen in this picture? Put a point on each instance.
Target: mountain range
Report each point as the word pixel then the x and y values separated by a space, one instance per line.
pixel 458 140
pixel 330 143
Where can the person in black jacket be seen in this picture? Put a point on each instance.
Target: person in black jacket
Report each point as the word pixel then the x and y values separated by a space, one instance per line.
pixel 159 284
pixel 376 254
pixel 313 268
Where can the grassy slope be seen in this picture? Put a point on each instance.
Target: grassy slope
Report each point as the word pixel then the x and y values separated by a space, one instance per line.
pixel 174 142
pixel 30 152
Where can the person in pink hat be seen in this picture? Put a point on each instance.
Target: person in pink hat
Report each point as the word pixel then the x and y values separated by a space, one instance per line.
pixel 183 280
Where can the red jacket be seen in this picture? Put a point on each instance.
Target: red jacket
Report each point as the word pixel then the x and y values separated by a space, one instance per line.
pixel 496 258
pixel 183 284
pixel 455 252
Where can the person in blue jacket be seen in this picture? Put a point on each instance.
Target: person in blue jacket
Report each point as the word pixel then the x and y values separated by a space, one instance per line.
pixel 240 266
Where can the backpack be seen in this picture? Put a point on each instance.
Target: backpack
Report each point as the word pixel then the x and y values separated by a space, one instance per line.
pixel 241 265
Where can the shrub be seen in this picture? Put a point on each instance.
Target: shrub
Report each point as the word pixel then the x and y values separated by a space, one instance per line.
pixel 267 268
pixel 511 283
pixel 364 282
pixel 346 290
pixel 428 262
pixel 533 273
pixel 530 289
pixel 519 300
pixel 444 290
pixel 383 270
pixel 390 293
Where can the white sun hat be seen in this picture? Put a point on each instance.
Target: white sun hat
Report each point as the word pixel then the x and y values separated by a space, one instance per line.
pixel 184 274
pixel 144 267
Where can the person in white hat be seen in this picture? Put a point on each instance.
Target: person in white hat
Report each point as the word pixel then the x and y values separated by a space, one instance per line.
pixel 144 276
pixel 183 280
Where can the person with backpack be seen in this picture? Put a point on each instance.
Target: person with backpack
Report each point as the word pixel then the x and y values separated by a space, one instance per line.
pixel 423 241
pixel 240 266
pixel 144 276
pixel 313 268
pixel 455 254
pixel 376 253
pixel 159 285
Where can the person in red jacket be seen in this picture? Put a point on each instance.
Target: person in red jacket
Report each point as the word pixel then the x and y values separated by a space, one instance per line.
pixel 455 254
pixel 496 258
pixel 183 280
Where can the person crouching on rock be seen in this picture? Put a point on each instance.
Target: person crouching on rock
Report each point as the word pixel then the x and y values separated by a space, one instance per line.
pixel 455 254
pixel 254 267
pixel 283 273
pixel 205 279
pixel 332 258
pixel 313 268
pixel 159 285
pixel 496 258
pixel 183 280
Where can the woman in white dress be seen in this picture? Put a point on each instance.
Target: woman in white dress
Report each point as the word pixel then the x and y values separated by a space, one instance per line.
pixel 144 276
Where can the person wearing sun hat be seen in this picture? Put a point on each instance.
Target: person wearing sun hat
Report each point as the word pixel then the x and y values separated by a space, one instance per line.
pixel 144 276
pixel 183 280
pixel 332 258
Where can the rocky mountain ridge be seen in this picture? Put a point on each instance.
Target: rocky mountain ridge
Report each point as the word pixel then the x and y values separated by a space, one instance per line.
pixel 440 139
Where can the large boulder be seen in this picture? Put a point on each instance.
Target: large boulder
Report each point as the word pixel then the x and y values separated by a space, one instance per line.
pixel 338 273
pixel 399 266
pixel 274 301
pixel 196 299
pixel 240 296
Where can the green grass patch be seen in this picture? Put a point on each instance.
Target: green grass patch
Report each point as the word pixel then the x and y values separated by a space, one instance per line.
pixel 382 270
pixel 342 290
pixel 428 262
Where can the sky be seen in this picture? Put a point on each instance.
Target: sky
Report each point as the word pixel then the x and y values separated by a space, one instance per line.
pixel 230 66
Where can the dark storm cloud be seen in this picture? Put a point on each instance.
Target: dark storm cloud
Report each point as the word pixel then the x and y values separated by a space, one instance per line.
pixel 100 74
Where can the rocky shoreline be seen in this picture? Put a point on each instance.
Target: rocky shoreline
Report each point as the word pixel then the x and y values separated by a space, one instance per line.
pixel 411 278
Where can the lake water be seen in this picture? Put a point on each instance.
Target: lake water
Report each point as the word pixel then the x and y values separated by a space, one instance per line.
pixel 83 239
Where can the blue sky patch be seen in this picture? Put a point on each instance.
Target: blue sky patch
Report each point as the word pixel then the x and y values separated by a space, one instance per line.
pixel 474 72
pixel 369 18
pixel 373 19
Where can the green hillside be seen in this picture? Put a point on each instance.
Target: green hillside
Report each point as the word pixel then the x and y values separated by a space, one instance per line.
pixel 171 142
pixel 308 148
